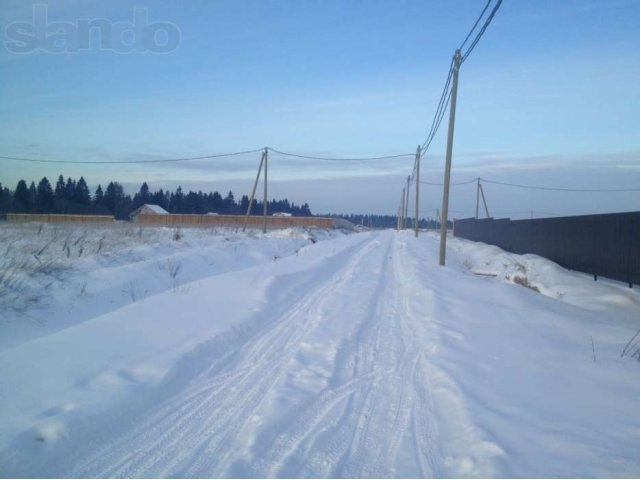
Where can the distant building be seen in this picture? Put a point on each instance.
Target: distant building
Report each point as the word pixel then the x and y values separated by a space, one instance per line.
pixel 147 209
pixel 282 214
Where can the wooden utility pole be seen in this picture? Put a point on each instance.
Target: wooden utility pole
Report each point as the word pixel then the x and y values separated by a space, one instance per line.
pixel 266 158
pixel 253 192
pixel 417 191
pixel 457 60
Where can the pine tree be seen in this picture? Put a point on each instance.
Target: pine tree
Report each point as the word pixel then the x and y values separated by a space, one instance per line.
pixel 60 196
pixel 98 197
pixel 82 196
pixel 44 197
pixel 21 198
pixel 5 199
pixel 33 194
pixel 176 204
pixel 113 197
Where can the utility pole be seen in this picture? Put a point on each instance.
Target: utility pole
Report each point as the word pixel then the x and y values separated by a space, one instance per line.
pixel 417 190
pixel 266 157
pixel 406 204
pixel 484 201
pixel 253 192
pixel 477 197
pixel 457 59
pixel 402 220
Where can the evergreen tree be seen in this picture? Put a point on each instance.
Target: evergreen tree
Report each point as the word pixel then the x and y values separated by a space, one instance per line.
pixel 60 196
pixel 5 199
pixel 229 205
pixel 113 197
pixel 82 196
pixel 21 198
pixel 33 194
pixel 244 204
pixel 98 197
pixel 98 206
pixel 44 197
pixel 176 204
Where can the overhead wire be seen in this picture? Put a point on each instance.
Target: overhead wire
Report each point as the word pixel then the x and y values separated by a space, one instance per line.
pixel 103 162
pixel 481 32
pixel 347 159
pixel 475 24
pixel 562 189
pixel 451 184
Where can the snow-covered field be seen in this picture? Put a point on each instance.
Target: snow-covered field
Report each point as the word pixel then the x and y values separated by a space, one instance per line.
pixel 158 352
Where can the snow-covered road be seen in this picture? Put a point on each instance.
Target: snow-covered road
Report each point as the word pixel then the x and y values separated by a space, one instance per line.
pixel 353 357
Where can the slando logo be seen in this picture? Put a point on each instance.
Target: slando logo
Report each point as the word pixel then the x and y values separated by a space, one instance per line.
pixel 137 36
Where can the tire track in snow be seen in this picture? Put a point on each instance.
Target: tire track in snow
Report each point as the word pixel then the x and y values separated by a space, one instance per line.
pixel 188 438
pixel 362 438
pixel 375 415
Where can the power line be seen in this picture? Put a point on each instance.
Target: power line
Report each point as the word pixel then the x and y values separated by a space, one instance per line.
pixel 482 30
pixel 103 162
pixel 442 104
pixel 446 91
pixel 475 24
pixel 345 159
pixel 562 189
pixel 205 157
pixel 452 184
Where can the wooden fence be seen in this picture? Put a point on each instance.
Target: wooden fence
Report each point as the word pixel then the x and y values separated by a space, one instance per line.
pixel 236 221
pixel 57 218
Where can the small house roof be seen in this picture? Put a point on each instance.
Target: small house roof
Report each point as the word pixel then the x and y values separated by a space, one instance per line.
pixel 156 209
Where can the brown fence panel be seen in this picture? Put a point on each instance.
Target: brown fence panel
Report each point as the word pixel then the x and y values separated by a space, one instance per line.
pixel 57 218
pixel 235 221
pixel 606 245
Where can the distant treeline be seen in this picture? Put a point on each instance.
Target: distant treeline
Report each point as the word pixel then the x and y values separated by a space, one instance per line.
pixel 385 221
pixel 74 197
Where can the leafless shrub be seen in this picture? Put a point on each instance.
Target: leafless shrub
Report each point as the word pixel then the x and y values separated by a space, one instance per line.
pixel 177 234
pixel 80 238
pixel 134 292
pixel 100 244
pixel 173 266
pixel 41 251
pixel 524 281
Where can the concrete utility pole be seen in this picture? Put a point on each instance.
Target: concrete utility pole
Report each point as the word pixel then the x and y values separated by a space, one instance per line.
pixel 253 192
pixel 417 190
pixel 477 197
pixel 402 210
pixel 484 201
pixel 457 60
pixel 266 157
pixel 406 204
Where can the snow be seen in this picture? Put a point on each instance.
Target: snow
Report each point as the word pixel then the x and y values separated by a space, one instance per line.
pixel 212 353
pixel 156 209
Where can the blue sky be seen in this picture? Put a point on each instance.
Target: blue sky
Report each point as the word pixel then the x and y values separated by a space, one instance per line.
pixel 550 94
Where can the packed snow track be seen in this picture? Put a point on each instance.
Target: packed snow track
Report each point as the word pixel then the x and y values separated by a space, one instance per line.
pixel 353 357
